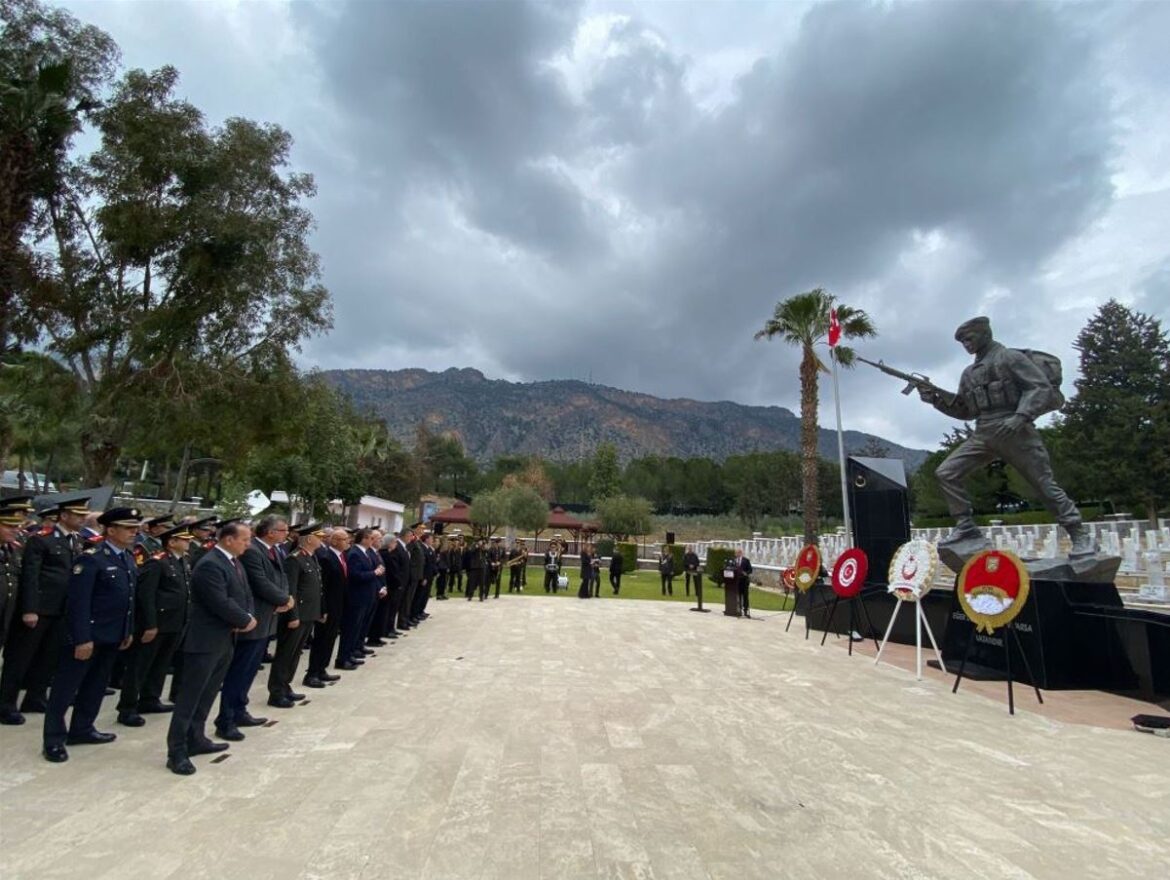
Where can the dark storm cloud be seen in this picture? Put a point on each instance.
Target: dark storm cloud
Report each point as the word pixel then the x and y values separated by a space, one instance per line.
pixel 923 161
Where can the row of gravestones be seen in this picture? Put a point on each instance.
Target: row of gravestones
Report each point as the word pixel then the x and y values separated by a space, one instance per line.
pixel 1144 551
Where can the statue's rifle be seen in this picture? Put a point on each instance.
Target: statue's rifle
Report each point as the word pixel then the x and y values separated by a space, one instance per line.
pixel 914 381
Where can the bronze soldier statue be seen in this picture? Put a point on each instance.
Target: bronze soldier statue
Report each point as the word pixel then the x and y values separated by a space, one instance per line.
pixel 1004 391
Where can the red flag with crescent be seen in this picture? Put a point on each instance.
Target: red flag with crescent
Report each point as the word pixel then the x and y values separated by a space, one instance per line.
pixel 834 329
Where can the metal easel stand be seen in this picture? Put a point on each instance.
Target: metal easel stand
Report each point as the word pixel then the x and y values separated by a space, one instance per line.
pixel 699 597
pixel 920 621
pixel 1007 651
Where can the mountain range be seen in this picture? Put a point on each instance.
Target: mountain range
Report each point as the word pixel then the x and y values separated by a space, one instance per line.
pixel 565 419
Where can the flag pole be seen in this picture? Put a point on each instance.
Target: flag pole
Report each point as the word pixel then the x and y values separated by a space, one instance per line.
pixel 841 452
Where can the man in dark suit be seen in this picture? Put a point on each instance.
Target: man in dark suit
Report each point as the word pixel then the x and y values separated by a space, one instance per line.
pixel 413 576
pixel 334 586
pixel 364 583
pixel 99 624
pixel 743 571
pixel 391 555
pixel 269 589
pixel 430 568
pixel 692 570
pixel 221 605
pixel 161 599
pixel 33 649
pixel 615 570
pixel 293 627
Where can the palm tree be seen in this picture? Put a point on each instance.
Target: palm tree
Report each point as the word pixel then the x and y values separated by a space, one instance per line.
pixel 804 320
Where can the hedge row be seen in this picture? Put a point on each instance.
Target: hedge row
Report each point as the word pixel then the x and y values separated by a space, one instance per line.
pixel 629 557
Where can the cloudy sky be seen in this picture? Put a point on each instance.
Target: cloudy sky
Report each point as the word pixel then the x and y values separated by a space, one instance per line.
pixel 623 191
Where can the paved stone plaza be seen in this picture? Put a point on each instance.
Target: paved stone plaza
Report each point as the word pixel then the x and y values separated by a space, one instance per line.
pixel 533 737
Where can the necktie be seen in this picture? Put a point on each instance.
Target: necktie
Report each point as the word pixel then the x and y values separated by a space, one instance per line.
pixel 236 566
pixel 272 553
pixel 344 566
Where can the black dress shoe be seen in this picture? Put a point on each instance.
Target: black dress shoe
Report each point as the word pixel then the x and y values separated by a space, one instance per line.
pixel 391 636
pixel 234 734
pixel 206 747
pixel 90 738
pixel 367 652
pixel 11 717
pixel 110 692
pixel 131 719
pixel 346 665
pixel 312 682
pixel 423 616
pixel 281 702
pixel 159 708
pixel 374 643
pixel 329 679
pixel 56 754
pixel 33 705
pixel 268 658
pixel 180 766
pixel 244 719
pixel 294 696
pixel 357 661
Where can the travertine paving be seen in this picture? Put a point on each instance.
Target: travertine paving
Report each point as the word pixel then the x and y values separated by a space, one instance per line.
pixel 530 737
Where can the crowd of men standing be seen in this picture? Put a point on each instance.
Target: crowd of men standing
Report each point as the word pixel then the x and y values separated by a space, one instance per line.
pixel 97 604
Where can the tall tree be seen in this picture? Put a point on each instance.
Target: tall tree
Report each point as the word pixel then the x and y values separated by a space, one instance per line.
pixel 178 249
pixel 605 479
pixel 1117 426
pixel 803 320
pixel 52 68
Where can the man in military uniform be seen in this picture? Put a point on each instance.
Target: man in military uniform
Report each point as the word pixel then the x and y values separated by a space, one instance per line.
pixel 221 606
pixel 149 540
pixel 475 565
pixel 418 573
pixel 517 559
pixel 11 519
pixel 34 646
pixel 293 627
pixel 202 538
pixel 1004 391
pixel 455 563
pixel 495 559
pixel 552 564
pixel 160 613
pixel 99 624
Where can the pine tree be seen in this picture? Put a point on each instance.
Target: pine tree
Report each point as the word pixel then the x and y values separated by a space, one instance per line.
pixel 1117 426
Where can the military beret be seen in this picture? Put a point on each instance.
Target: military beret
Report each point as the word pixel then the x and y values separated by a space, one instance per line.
pixel 17 502
pixel 180 532
pixel 980 323
pixel 316 528
pixel 159 520
pixel 121 516
pixel 417 525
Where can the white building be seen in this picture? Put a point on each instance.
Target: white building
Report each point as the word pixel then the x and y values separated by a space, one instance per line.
pixel 372 511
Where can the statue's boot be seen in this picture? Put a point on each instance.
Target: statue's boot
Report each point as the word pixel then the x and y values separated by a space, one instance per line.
pixel 964 530
pixel 1082 542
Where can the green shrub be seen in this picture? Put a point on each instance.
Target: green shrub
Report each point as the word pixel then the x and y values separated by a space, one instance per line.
pixel 629 557
pixel 677 552
pixel 716 558
pixel 605 547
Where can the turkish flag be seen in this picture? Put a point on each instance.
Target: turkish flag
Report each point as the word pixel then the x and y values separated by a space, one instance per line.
pixel 834 329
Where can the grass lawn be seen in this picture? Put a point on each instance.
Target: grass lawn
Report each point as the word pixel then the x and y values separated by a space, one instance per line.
pixel 647 585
